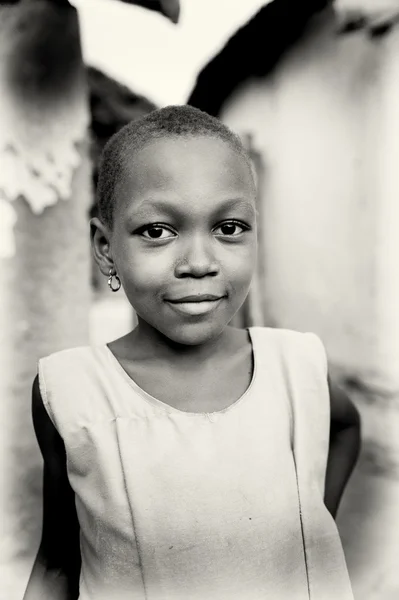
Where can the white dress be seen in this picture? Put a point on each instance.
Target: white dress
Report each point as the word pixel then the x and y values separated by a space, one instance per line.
pixel 194 506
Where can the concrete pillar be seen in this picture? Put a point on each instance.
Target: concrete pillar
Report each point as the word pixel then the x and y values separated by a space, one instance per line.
pixel 45 193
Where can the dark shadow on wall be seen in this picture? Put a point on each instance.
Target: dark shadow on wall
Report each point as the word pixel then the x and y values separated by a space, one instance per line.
pixel 112 105
pixel 253 51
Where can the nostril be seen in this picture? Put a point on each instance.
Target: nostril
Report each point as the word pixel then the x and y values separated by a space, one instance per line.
pixel 192 268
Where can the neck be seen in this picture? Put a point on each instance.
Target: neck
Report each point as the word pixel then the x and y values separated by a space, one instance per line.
pixel 152 343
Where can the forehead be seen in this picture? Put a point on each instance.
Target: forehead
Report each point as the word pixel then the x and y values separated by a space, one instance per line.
pixel 191 168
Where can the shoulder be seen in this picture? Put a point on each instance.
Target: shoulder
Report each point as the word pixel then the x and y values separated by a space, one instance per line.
pixel 285 334
pixel 308 350
pixel 289 339
pixel 299 358
pixel 67 355
pixel 57 369
pixel 59 365
pixel 68 381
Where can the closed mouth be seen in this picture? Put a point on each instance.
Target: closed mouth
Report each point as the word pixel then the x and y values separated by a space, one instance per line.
pixel 196 307
pixel 199 298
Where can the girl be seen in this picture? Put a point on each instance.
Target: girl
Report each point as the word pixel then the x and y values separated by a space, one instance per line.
pixel 188 459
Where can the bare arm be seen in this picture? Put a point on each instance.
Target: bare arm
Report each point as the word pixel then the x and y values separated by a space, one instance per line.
pixel 55 573
pixel 344 446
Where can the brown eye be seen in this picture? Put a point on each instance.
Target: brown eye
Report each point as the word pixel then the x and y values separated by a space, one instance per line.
pixel 155 232
pixel 231 228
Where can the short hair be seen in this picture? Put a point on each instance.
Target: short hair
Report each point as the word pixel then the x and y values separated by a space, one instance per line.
pixel 171 121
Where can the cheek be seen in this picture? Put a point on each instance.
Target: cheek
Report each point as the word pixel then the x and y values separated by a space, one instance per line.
pixel 241 265
pixel 145 273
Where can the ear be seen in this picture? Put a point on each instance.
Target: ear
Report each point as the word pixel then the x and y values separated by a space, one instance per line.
pixel 100 242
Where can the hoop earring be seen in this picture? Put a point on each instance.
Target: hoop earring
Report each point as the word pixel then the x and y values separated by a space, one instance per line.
pixel 118 281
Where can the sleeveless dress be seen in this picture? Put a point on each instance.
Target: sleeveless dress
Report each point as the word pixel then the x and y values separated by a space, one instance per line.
pixel 226 505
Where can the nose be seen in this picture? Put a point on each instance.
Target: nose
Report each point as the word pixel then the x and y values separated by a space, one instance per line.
pixel 197 259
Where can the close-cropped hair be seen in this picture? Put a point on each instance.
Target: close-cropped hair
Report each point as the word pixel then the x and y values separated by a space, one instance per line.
pixel 171 121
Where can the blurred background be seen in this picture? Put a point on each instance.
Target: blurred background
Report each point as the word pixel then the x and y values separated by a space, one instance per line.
pixel 312 87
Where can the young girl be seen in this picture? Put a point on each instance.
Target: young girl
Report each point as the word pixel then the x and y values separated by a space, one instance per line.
pixel 188 459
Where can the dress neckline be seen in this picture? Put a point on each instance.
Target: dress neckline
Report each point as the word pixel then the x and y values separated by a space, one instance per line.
pixel 171 409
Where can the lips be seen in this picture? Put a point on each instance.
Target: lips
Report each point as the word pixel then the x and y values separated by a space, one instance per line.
pixel 196 298
pixel 198 305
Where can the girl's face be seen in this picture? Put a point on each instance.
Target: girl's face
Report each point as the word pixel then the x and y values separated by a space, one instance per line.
pixel 183 240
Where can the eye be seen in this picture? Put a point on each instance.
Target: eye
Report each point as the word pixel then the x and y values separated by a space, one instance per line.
pixel 156 232
pixel 230 228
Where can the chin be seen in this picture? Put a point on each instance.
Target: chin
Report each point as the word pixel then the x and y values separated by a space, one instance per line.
pixel 195 334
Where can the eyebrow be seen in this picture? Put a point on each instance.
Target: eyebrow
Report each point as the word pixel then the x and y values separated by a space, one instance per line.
pixel 173 209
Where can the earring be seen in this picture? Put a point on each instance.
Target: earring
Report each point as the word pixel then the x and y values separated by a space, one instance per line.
pixel 118 281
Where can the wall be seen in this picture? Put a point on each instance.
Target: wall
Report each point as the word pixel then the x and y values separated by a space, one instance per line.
pixel 327 124
pixel 324 122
